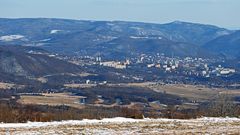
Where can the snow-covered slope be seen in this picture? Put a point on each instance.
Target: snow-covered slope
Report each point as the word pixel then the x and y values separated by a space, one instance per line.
pixel 127 126
pixel 8 38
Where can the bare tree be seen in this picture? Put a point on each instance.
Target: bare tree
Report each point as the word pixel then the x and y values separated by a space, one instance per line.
pixel 223 106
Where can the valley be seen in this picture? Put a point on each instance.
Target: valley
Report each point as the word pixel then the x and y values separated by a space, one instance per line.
pixel 116 67
pixel 72 69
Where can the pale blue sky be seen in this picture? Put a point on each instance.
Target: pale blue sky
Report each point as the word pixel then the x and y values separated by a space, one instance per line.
pixel 224 13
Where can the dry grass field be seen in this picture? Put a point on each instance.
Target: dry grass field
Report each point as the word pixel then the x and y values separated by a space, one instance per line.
pixel 188 91
pixel 52 99
pixel 193 92
pixel 119 126
pixel 55 99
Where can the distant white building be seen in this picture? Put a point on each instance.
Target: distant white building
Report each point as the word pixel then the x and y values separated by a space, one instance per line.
pixel 114 64
pixel 168 69
pixel 165 66
pixel 150 65
pixel 158 66
pixel 227 71
pixel 98 59
pixel 104 82
pixel 87 81
pixel 177 65
pixel 127 62
pixel 173 67
pixel 204 73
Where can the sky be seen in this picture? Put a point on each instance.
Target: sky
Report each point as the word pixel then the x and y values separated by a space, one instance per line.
pixel 223 13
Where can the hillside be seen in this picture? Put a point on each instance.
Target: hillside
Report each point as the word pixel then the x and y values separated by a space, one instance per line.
pixel 111 38
pixel 193 33
pixel 227 45
pixel 151 45
pixel 29 62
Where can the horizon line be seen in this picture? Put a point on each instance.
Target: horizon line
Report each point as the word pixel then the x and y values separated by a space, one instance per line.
pixel 130 21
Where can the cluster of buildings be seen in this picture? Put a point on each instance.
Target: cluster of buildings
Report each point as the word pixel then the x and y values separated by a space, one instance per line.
pixel 165 66
pixel 187 65
pixel 217 71
pixel 116 64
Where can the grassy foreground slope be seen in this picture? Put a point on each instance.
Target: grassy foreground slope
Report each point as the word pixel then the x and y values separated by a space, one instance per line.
pixel 128 126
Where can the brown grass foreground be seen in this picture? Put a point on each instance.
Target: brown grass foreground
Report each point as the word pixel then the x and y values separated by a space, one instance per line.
pixel 52 99
pixel 146 126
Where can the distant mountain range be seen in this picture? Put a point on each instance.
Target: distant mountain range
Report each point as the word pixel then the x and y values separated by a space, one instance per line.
pixel 119 39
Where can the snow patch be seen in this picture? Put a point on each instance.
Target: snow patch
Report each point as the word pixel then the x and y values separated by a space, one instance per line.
pixel 117 120
pixel 69 122
pixel 222 33
pixel 177 22
pixel 55 31
pixel 135 37
pixel 136 28
pixel 109 37
pixel 45 40
pixel 9 38
pixel 110 24
pixel 122 126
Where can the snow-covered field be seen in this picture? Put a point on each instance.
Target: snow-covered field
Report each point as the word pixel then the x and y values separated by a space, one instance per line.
pixel 125 126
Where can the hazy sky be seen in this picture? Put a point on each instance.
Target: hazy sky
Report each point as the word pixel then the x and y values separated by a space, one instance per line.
pixel 224 13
